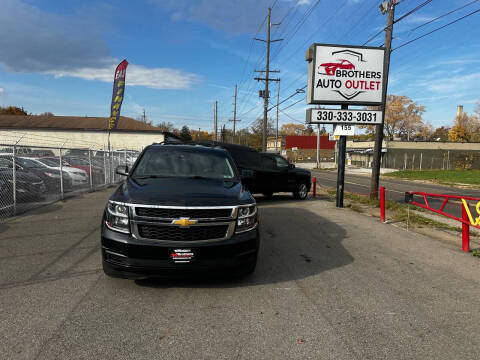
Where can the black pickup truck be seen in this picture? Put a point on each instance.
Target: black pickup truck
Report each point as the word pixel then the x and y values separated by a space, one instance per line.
pixel 181 209
pixel 270 173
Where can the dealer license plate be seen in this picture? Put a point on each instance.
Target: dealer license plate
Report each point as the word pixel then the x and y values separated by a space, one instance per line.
pixel 180 256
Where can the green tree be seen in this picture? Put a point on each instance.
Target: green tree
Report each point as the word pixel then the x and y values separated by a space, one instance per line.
pixel 185 134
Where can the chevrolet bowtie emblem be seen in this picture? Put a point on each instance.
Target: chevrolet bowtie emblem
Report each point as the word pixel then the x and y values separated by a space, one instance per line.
pixel 184 222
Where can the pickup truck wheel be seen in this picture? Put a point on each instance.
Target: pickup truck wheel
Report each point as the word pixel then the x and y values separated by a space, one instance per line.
pixel 301 192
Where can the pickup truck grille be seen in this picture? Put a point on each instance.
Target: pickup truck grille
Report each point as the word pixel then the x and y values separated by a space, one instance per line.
pixel 173 233
pixel 187 213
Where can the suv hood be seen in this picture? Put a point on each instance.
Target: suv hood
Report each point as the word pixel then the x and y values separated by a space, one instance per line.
pixel 182 192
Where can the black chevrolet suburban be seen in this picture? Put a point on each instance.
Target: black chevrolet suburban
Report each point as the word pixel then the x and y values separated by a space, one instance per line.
pixel 270 173
pixel 181 209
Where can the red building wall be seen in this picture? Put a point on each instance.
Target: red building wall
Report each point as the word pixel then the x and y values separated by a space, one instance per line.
pixel 308 142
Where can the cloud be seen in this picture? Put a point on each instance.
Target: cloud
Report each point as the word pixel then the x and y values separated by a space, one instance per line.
pixel 449 62
pixel 2 90
pixel 137 75
pixel 234 17
pixel 452 84
pixel 35 41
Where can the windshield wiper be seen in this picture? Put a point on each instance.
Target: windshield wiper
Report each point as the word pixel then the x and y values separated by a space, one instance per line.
pixel 149 177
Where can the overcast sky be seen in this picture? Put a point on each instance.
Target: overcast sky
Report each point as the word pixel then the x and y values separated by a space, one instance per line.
pixel 59 56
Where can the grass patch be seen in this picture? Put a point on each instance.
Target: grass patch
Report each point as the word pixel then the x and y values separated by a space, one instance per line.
pixel 442 176
pixel 397 211
pixel 476 253
pixel 418 220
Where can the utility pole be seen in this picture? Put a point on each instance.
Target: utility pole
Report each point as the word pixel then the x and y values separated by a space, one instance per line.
pixel 215 120
pixel 234 114
pixel 144 116
pixel 267 78
pixel 276 129
pixel 377 153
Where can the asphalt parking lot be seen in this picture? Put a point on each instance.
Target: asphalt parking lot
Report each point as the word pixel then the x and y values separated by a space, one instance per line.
pixel 330 284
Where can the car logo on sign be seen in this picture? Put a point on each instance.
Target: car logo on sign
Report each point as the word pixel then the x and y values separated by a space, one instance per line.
pixel 184 222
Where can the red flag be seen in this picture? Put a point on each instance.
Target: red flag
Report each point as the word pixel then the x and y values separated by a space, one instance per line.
pixel 117 96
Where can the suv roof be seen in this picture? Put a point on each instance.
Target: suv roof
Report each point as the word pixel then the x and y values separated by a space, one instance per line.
pixel 189 146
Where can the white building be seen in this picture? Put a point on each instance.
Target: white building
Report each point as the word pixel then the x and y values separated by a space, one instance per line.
pixel 78 132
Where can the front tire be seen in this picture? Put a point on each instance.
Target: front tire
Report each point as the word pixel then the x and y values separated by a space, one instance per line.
pixel 301 191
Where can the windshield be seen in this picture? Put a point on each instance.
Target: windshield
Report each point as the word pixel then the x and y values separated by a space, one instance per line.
pixel 171 162
pixel 49 162
pixel 29 163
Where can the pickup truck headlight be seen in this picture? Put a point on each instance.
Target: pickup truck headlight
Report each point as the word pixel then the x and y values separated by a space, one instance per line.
pixel 247 218
pixel 116 217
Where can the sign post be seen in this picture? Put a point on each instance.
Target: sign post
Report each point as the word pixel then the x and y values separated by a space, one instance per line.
pixel 344 75
pixel 342 147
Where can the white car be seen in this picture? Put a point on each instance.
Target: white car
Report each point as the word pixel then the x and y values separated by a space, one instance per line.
pixel 79 177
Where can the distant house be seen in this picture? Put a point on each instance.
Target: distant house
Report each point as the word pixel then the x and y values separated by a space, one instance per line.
pixel 303 148
pixel 78 132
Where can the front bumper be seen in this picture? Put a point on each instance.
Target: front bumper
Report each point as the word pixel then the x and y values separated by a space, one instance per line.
pixel 127 257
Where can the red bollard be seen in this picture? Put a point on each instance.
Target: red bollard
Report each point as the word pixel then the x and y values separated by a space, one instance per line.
pixel 465 231
pixel 382 204
pixel 314 186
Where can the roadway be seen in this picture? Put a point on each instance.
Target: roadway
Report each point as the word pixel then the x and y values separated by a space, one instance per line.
pixel 395 189
pixel 330 284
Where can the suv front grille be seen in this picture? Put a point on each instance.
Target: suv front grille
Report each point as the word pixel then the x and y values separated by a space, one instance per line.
pixel 179 213
pixel 173 233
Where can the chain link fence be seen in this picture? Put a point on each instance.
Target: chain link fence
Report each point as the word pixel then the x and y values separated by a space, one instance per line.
pixel 33 174
pixel 431 160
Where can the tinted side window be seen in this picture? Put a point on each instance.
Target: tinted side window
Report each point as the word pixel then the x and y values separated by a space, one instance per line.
pixel 245 159
pixel 281 162
pixel 268 163
pixel 4 163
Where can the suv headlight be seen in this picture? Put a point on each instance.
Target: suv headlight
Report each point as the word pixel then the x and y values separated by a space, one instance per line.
pixel 247 218
pixel 52 175
pixel 116 217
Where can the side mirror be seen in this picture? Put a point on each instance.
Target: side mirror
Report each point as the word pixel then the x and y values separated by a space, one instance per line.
pixel 291 166
pixel 246 174
pixel 122 170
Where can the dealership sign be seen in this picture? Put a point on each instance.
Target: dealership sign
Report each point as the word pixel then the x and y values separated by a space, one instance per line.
pixel 345 75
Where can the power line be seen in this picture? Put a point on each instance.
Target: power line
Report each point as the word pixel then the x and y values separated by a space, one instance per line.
pixel 297 27
pixel 441 16
pixel 249 52
pixel 291 118
pixel 369 10
pixel 373 37
pixel 289 106
pixel 316 31
pixel 413 11
pixel 434 30
pixel 298 91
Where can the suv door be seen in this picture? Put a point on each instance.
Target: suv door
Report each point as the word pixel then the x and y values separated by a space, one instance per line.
pixel 267 177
